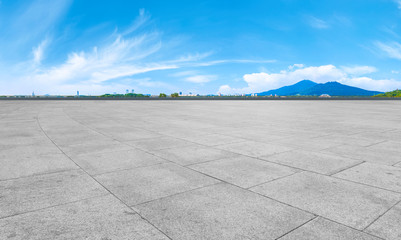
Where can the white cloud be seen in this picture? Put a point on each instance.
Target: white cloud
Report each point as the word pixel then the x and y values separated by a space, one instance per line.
pixel 295 66
pixel 317 23
pixel 391 49
pixel 359 70
pixel 259 82
pixel 201 78
pixel 38 51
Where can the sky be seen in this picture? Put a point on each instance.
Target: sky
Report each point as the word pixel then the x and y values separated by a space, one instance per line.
pixel 202 47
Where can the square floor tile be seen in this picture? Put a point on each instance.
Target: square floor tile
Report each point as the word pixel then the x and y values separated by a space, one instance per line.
pixel 352 204
pixel 96 218
pixel 97 163
pixel 144 184
pixel 313 161
pixel 254 149
pixel 15 167
pixel 41 191
pixel 222 211
pixel 244 171
pixel 377 175
pixel 321 228
pixel 158 143
pixel 388 225
pixel 192 154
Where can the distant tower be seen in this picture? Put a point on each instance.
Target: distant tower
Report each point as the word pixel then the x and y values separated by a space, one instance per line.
pixel 126 91
pixel 132 91
pixel 77 93
pixel 33 94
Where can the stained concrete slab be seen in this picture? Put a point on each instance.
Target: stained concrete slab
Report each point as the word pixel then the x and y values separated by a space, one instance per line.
pixel 144 184
pixel 388 225
pixel 254 149
pixel 377 175
pixel 42 191
pixel 98 163
pixel 192 154
pixel 95 218
pixel 243 171
pixel 313 161
pixel 345 202
pixel 321 228
pixel 222 211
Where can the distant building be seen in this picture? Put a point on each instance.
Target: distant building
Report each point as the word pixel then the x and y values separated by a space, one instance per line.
pixel 77 93
pixel 126 91
pixel 325 96
pixel 33 94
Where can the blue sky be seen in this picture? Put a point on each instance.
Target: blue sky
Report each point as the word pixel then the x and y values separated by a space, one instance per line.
pixel 205 47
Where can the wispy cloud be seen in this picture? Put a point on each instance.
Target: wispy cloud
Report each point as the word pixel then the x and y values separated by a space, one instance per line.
pixel 317 23
pixel 391 49
pixel 201 78
pixel 359 70
pixel 38 52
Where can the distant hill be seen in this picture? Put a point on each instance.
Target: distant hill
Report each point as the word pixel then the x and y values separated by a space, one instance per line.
pixel 290 90
pixel 395 93
pixel 309 88
pixel 337 89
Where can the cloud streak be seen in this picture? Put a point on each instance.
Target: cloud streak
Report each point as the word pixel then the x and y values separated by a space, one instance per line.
pixel 391 49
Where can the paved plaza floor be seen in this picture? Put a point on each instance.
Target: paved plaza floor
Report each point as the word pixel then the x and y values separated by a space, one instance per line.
pixel 108 170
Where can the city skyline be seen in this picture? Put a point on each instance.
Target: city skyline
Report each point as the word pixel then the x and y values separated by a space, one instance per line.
pixel 201 47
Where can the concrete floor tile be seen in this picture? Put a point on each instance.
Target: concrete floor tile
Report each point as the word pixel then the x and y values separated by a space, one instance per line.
pixel 365 154
pixel 213 139
pixel 98 163
pixel 95 218
pixel 307 143
pixel 192 154
pixel 243 171
pixel 320 228
pixel 159 143
pixel 377 175
pixel 41 191
pixel 144 184
pixel 345 202
pixel 95 147
pixel 15 167
pixel 390 146
pixel 254 149
pixel 222 211
pixel 388 225
pixel 349 140
pixel 313 161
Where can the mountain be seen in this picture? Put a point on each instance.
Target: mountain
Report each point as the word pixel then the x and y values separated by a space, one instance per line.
pixel 309 88
pixel 337 89
pixel 290 90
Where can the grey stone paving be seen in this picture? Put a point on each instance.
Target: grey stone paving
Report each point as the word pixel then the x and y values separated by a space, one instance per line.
pixel 200 170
